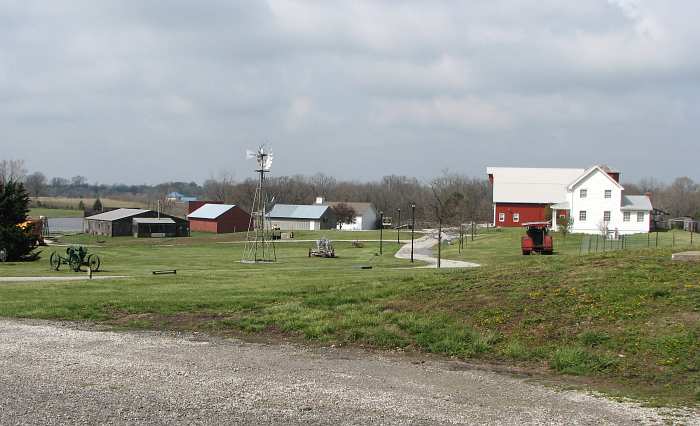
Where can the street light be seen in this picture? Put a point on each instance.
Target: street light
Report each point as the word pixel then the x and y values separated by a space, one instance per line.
pixel 413 226
pixel 381 229
pixel 398 228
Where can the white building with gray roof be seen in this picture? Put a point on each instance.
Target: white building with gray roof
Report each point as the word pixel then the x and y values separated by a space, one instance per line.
pixel 296 217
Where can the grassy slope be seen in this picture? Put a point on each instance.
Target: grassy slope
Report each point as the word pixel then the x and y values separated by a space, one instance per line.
pixel 629 320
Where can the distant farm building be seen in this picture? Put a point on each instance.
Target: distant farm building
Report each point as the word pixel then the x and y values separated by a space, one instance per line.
pixel 295 217
pixel 120 222
pixel 176 196
pixel 219 218
pixel 366 217
pixel 151 227
pixel 592 199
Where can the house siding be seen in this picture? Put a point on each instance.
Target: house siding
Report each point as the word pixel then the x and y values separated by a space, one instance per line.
pixel 528 213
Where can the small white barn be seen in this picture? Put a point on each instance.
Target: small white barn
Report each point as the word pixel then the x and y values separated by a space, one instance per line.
pixel 366 216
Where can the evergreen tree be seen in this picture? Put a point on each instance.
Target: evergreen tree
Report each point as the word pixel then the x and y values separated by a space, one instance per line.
pixel 97 206
pixel 14 206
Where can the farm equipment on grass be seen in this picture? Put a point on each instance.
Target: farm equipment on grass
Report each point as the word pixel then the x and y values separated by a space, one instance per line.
pixel 324 248
pixel 537 239
pixel 76 256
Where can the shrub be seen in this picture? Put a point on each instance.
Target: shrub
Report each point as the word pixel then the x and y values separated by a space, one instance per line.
pixel 19 243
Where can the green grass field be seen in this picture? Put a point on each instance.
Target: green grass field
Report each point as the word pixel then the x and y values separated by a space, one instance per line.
pixel 54 213
pixel 625 322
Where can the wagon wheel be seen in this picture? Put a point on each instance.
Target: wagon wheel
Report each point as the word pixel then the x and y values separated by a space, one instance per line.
pixel 55 261
pixel 74 263
pixel 93 262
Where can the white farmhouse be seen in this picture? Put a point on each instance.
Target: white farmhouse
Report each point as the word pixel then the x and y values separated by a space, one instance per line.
pixel 596 203
pixel 593 198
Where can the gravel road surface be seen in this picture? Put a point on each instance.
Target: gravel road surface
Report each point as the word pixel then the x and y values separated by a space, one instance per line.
pixel 58 373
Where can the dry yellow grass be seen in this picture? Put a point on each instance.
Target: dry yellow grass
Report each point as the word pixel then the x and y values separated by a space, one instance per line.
pixel 72 203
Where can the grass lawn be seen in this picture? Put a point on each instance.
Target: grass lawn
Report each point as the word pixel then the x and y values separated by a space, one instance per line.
pixel 54 213
pixel 626 322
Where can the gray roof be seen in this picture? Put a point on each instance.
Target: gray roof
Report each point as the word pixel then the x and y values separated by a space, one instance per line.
pixel 210 211
pixel 636 202
pixel 117 214
pixel 295 211
pixel 162 220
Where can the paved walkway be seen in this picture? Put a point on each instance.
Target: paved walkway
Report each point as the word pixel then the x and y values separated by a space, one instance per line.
pixel 55 373
pixel 423 251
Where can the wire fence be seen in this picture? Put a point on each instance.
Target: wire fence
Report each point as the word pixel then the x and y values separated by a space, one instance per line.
pixel 669 239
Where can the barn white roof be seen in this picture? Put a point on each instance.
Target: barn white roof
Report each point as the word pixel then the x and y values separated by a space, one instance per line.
pixel 117 214
pixel 531 185
pixel 210 211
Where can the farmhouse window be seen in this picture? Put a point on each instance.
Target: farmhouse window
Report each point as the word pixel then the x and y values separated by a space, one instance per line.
pixel 608 193
pixel 626 216
pixel 606 216
pixel 501 217
pixel 582 215
pixel 516 217
pixel 583 193
pixel 640 216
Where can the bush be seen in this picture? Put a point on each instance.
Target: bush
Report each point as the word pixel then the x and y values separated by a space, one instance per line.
pixel 14 205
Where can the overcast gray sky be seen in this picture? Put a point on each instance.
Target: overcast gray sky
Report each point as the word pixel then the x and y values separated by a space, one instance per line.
pixel 149 91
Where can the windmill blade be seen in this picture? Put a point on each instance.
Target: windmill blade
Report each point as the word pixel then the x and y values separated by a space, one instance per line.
pixel 249 154
pixel 268 161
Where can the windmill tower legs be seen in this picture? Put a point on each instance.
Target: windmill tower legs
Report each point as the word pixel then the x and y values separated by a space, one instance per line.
pixel 259 246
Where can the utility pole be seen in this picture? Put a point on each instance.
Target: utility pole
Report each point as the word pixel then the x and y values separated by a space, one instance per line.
pixel 381 229
pixel 413 226
pixel 398 228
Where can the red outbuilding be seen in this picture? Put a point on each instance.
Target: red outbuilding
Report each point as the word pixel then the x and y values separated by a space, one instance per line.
pixel 219 218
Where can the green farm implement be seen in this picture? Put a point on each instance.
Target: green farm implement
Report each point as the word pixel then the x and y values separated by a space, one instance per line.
pixel 76 256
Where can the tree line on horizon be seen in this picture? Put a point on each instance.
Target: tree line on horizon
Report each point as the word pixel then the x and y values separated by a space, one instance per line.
pixel 455 197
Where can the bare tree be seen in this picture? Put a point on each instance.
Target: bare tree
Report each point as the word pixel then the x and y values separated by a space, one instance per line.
pixel 12 170
pixel 344 213
pixel 35 183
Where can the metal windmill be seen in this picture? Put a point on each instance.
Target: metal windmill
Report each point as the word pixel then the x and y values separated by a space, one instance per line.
pixel 259 246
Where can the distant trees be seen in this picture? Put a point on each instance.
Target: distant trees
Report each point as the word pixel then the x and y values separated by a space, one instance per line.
pixel 35 183
pixel 12 170
pixel 97 205
pixel 17 242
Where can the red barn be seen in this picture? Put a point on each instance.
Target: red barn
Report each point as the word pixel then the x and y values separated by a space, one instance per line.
pixel 219 218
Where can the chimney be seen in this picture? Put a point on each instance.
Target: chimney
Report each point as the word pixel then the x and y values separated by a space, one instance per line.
pixel 319 201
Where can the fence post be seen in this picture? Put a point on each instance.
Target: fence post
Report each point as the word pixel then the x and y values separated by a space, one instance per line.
pixel 596 243
pixel 589 244
pixel 673 244
pixel 691 237
pixel 657 239
pixel 648 239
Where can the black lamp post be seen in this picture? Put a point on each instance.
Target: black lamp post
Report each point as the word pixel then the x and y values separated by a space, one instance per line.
pixel 413 226
pixel 398 228
pixel 381 229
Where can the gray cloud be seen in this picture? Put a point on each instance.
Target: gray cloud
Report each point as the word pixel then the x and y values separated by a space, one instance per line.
pixel 153 90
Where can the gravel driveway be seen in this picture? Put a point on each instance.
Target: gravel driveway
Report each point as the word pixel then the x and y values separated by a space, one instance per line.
pixel 423 251
pixel 53 373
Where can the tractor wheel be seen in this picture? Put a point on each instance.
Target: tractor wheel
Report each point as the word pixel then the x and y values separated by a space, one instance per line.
pixel 94 262
pixel 74 263
pixel 526 253
pixel 55 261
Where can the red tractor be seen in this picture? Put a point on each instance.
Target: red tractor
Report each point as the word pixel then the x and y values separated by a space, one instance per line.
pixel 537 239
